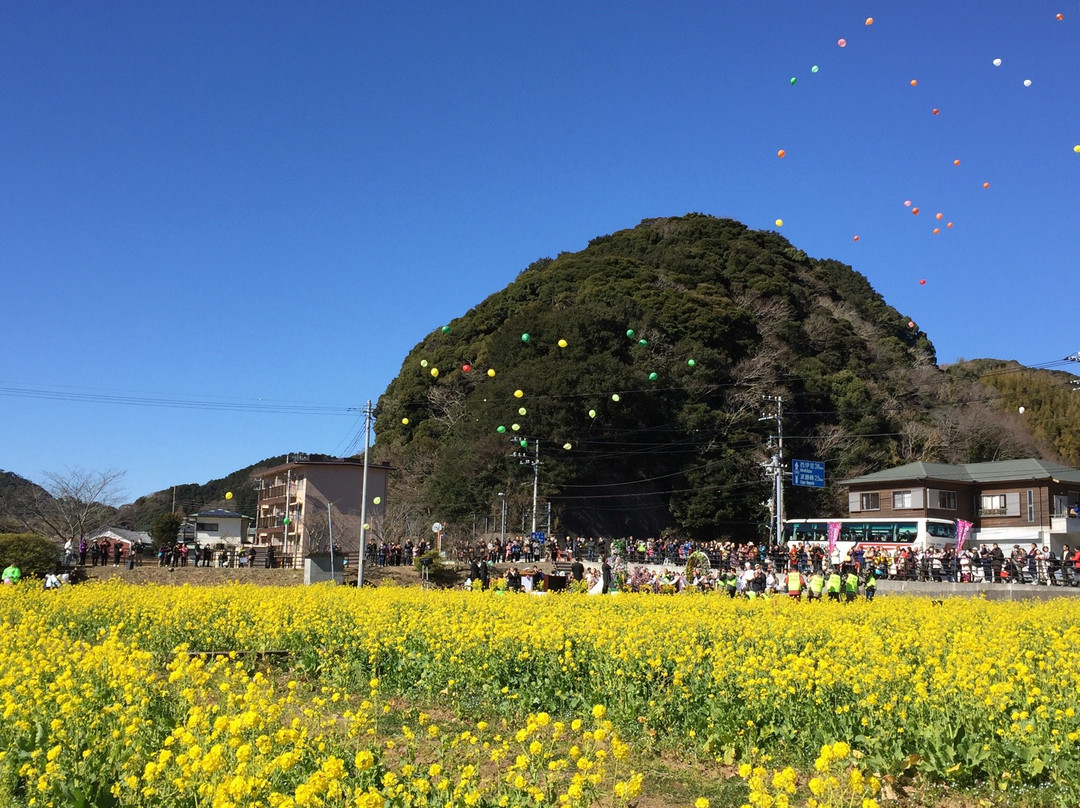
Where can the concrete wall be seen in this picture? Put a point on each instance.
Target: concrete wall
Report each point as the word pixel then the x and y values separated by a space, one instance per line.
pixel 989 591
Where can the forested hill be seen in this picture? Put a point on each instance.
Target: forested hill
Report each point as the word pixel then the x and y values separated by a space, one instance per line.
pixel 643 363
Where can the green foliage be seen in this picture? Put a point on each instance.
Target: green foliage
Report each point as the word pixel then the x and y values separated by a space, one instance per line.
pixel 35 555
pixel 165 529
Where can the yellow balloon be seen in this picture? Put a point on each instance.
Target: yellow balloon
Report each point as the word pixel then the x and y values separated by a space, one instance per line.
pixel 377 500
pixel 228 495
pixel 405 421
pixel 521 411
pixel 567 446
pixel 515 427
pixel 779 222
pixel 367 526
pixel 562 343
pixel 614 396
pixel 491 371
pixel 518 393
pixel 435 372
pixel 1076 148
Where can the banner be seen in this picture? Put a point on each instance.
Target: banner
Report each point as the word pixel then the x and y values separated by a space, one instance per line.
pixel 834 534
pixel 963 528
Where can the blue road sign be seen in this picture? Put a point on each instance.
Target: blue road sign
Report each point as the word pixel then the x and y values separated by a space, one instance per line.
pixel 538 536
pixel 810 473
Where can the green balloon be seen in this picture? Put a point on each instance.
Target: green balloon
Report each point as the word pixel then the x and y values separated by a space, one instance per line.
pixel 500 429
pixel 446 329
pixel 814 69
pixel 630 333
pixel 653 376
pixel 524 443
pixel 793 79
pixel 286 520
pixel 642 342
pixel 691 362
pixel 525 338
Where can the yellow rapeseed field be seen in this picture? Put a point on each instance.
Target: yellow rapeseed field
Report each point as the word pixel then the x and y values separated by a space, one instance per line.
pixel 105 702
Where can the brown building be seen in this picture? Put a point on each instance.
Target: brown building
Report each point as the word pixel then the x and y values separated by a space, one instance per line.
pixel 1007 502
pixel 300 502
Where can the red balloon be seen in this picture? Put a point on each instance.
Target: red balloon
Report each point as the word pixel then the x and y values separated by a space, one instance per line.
pixel 910 324
pixel 856 238
pixel 915 211
pixel 466 368
pixel 922 282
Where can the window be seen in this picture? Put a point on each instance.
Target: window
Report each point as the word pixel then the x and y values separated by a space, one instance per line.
pixel 1030 505
pixel 947 500
pixel 901 499
pixel 870 502
pixel 207 527
pixel 992 505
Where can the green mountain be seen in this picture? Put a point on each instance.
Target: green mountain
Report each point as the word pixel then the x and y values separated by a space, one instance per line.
pixel 644 363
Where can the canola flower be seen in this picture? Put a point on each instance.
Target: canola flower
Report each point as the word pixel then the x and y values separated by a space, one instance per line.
pixel 103 700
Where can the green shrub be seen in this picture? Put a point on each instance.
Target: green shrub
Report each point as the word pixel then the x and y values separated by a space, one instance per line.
pixel 33 554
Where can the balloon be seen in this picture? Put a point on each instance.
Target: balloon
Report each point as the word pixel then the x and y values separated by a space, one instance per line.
pixel 515 427
pixel 521 410
pixel 592 413
pixel 939 216
pixel 997 63
pixel 524 443
pixel 935 110
pixel 779 222
pixel 228 495
pixel 466 367
pixel 956 162
pixel 1027 82
pixel 915 211
pixel 491 372
pixel 653 376
pixel 793 80
pixel 518 393
pixel 286 520
pixel 781 154
pixel 922 282
pixel 1059 16
pixel 814 69
pixel 405 421
pixel 614 396
pixel 377 500
pixel 423 363
pixel 869 20
pixel 856 238
pixel 1021 410
pixel 567 446
pixel 446 329
pixel 691 362
pixel 525 338
pixel 949 224
pixel 907 203
pixel 1076 148
pixel 367 526
pixel 643 343
pixel 986 185
pixel 500 429
pixel 562 343
pixel 914 82
pixel 630 333
pixel 435 372
pixel 842 43
pixel 937 230
pixel 910 324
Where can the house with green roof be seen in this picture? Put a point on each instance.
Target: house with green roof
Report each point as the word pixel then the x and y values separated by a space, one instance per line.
pixel 1007 502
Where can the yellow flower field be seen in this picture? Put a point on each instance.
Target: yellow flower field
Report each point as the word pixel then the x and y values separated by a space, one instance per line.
pixel 542 699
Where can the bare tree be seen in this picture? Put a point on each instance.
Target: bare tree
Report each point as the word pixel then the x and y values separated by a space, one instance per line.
pixel 72 504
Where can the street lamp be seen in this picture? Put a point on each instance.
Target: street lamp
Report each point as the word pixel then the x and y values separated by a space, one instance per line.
pixel 502 500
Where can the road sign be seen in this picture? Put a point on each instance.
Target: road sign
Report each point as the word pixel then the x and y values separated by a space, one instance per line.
pixel 539 536
pixel 810 473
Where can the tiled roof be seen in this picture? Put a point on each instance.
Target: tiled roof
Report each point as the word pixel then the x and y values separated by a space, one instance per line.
pixel 977 473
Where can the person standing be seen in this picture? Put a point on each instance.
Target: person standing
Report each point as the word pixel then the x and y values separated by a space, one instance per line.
pixel 851 585
pixel 11 575
pixel 83 547
pixel 577 569
pixel 871 585
pixel 69 553
pixel 816 585
pixel 795 584
pixel 605 571
pixel 832 585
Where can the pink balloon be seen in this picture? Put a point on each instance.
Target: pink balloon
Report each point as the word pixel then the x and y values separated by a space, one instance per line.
pixel 842 43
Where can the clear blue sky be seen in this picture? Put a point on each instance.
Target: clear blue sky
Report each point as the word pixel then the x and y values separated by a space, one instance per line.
pixel 264 206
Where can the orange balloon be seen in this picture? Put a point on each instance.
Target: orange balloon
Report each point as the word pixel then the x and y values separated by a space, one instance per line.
pixel 870 20
pixel 937 230
pixel 1061 16
pixel 956 162
pixel 936 110
pixel 986 185
pixel 781 153
pixel 940 216
pixel 856 238
pixel 949 224
pixel 915 211
pixel 914 82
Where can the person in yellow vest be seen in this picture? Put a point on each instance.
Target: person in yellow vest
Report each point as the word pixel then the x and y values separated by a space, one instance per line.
pixel 832 585
pixel 851 585
pixel 815 586
pixel 871 585
pixel 795 584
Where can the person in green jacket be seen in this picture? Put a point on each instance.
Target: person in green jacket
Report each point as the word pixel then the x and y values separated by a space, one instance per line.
pixel 12 575
pixel 851 585
pixel 832 585
pixel 871 585
pixel 815 586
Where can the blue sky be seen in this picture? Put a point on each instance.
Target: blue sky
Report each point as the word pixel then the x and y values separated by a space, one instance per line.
pixel 223 225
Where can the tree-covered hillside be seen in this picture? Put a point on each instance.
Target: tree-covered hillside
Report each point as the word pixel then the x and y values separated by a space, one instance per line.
pixel 643 362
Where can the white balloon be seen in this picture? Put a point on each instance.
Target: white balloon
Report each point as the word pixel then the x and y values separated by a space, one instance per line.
pixel 1021 410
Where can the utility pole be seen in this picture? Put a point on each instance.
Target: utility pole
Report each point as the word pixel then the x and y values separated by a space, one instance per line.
pixel 502 501
pixel 775 466
pixel 534 461
pixel 363 497
pixel 330 523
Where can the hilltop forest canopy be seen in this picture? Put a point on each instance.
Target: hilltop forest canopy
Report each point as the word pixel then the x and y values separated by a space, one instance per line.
pixel 655 442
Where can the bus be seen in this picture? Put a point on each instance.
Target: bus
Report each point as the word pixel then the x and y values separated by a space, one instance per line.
pixel 872 534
